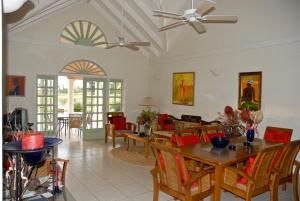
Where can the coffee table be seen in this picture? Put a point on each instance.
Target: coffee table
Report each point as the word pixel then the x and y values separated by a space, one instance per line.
pixel 135 138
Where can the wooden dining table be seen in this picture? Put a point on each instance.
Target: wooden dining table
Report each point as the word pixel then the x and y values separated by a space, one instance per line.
pixel 221 157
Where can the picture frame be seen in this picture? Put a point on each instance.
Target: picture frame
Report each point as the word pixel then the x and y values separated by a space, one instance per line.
pixel 183 88
pixel 250 90
pixel 15 85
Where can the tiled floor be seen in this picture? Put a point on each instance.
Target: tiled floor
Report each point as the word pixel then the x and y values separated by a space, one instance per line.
pixel 94 175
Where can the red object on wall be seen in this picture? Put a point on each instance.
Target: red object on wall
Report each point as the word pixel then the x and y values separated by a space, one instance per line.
pixel 32 140
pixel 119 122
pixel 209 136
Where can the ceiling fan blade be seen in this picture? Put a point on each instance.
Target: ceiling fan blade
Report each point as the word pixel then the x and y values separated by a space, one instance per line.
pixel 111 46
pixel 220 18
pixel 205 6
pixel 173 25
pixel 166 13
pixel 169 16
pixel 198 26
pixel 132 47
pixel 140 43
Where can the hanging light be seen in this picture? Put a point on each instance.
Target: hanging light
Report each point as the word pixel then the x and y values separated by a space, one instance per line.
pixel 10 6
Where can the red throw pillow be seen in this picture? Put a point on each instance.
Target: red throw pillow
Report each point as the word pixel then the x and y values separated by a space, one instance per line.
pixel 188 140
pixel 278 136
pixel 119 122
pixel 247 169
pixel 209 136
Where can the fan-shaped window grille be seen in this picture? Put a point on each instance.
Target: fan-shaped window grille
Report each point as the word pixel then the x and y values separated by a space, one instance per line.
pixel 82 32
pixel 83 67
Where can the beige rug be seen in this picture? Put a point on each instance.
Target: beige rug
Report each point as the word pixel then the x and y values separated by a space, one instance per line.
pixel 134 155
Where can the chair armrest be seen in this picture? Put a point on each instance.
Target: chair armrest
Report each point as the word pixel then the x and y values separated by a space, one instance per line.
pixel 199 175
pixel 240 172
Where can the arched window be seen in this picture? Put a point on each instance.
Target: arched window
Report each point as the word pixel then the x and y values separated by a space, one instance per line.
pixel 83 67
pixel 83 32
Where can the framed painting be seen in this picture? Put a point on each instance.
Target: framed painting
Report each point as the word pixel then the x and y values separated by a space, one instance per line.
pixel 183 88
pixel 250 90
pixel 15 85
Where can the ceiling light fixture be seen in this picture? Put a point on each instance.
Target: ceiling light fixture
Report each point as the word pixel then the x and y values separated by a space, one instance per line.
pixel 10 6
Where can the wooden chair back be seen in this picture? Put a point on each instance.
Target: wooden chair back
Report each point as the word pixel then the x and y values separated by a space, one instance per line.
pixel 75 121
pixel 287 132
pixel 171 166
pixel 287 161
pixel 263 165
pixel 62 163
pixel 209 129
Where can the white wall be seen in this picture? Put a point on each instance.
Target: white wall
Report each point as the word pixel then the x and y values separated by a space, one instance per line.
pixel 36 50
pixel 266 38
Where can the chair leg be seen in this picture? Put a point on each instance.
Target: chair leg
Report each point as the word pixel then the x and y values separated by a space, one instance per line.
pixel 105 139
pixel 114 141
pixel 283 187
pixel 155 187
pixel 295 183
pixel 274 188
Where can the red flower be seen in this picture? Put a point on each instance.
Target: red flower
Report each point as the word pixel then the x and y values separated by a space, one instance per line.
pixel 229 111
pixel 245 115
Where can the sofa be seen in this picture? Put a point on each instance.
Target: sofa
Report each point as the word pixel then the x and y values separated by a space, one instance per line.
pixel 168 124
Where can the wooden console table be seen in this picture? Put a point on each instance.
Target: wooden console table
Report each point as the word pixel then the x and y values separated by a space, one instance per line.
pixel 135 138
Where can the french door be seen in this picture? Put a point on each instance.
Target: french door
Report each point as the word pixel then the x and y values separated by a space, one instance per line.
pixel 94 93
pixel 46 86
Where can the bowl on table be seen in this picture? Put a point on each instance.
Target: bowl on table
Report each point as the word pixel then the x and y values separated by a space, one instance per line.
pixel 220 142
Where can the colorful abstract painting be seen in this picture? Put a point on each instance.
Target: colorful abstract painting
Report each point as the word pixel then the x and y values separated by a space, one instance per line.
pixel 183 88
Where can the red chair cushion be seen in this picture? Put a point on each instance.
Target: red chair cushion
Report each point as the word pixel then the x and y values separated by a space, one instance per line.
pixel 187 140
pixel 165 122
pixel 119 122
pixel 209 136
pixel 247 169
pixel 278 136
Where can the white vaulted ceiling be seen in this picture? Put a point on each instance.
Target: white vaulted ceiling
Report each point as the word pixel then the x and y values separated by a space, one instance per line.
pixel 139 22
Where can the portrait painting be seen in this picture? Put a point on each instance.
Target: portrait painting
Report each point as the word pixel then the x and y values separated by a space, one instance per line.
pixel 250 90
pixel 183 88
pixel 15 85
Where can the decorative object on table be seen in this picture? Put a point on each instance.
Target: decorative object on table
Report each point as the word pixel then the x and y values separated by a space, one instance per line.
pixel 145 120
pixel 15 85
pixel 237 122
pixel 183 88
pixel 220 142
pixel 250 90
pixel 250 136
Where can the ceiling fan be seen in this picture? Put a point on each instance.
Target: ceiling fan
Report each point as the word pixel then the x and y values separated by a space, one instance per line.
pixel 123 41
pixel 195 17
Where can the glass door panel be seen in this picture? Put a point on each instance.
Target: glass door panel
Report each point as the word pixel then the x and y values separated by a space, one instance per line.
pixel 93 107
pixel 46 103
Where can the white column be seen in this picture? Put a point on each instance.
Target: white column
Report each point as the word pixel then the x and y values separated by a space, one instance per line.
pixel 71 95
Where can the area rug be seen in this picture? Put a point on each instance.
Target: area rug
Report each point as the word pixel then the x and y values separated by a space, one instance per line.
pixel 135 155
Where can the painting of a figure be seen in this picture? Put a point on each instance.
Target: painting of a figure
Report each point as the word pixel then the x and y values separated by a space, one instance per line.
pixel 183 88
pixel 250 90
pixel 15 85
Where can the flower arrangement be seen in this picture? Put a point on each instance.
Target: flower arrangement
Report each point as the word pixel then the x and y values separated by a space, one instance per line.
pixel 242 120
pixel 146 118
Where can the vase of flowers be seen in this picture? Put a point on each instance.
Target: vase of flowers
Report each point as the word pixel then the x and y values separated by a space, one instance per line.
pixel 146 120
pixel 238 122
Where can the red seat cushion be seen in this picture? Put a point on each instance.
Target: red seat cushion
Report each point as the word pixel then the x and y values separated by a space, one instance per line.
pixel 187 140
pixel 277 136
pixel 247 169
pixel 165 122
pixel 209 136
pixel 119 122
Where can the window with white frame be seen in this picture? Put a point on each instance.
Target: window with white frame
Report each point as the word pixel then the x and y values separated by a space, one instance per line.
pixel 115 103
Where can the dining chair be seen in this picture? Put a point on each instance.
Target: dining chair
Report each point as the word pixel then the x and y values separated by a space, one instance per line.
pixel 62 168
pixel 287 170
pixel 171 176
pixel 259 178
pixel 211 131
pixel 277 134
pixel 75 121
